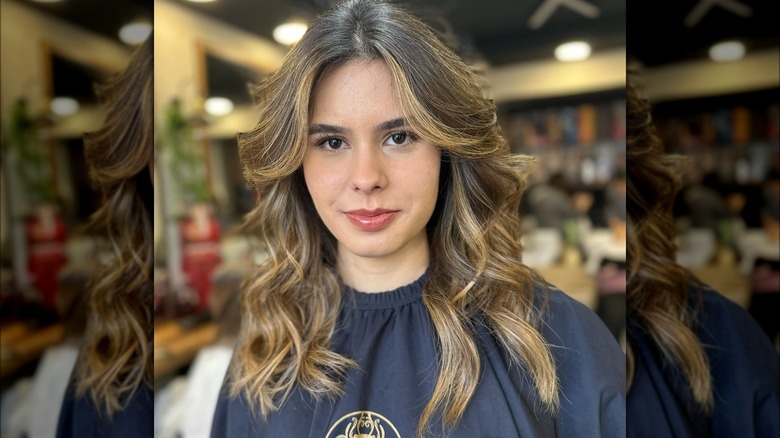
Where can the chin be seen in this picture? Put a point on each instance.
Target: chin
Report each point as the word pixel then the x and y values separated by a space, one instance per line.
pixel 368 247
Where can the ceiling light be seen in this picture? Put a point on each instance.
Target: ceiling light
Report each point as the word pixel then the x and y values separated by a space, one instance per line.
pixel 135 33
pixel 218 106
pixel 727 51
pixel 63 106
pixel 289 33
pixel 573 51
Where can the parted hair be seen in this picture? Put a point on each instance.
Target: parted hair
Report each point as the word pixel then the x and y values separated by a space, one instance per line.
pixel 116 354
pixel 658 290
pixel 290 303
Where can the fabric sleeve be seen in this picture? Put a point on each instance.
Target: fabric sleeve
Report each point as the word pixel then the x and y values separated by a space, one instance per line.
pixel 591 371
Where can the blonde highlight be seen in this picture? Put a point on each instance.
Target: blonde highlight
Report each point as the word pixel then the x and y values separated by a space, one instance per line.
pixel 658 289
pixel 115 358
pixel 291 303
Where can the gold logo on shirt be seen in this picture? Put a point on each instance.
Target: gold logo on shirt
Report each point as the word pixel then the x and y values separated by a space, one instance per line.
pixel 363 424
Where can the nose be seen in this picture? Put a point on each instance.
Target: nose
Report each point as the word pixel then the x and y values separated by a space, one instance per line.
pixel 367 170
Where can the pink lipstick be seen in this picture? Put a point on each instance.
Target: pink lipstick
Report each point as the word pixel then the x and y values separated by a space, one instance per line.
pixel 371 220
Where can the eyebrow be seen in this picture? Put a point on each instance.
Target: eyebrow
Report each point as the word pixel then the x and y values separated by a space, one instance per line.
pixel 321 128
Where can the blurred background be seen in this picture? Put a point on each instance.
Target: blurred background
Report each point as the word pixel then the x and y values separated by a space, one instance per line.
pixel 562 103
pixel 53 55
pixel 711 70
pixel 555 68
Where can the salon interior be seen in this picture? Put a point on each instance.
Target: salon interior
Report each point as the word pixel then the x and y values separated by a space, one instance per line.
pixel 560 101
pixel 555 69
pixel 712 77
pixel 53 57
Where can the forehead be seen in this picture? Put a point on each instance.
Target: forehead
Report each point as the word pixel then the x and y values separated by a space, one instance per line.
pixel 355 92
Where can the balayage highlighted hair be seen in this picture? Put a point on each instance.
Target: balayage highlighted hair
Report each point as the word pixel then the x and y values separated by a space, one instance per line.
pixel 291 303
pixel 116 355
pixel 658 289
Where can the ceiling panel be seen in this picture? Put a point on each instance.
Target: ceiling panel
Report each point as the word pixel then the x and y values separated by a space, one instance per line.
pixel 657 33
pixel 104 17
pixel 496 29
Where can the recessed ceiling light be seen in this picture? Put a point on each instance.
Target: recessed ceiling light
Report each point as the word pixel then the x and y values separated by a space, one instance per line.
pixel 727 51
pixel 289 33
pixel 218 106
pixel 63 106
pixel 135 33
pixel 573 51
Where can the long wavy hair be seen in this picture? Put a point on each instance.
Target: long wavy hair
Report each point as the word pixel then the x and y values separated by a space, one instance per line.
pixel 116 354
pixel 292 301
pixel 658 289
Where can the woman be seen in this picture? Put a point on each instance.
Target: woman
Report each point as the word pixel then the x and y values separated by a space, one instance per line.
pixel 111 393
pixel 698 364
pixel 394 302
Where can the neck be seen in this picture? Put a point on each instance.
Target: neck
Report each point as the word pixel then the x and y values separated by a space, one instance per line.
pixel 384 273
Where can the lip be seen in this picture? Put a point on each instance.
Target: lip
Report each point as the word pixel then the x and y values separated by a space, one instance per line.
pixel 371 220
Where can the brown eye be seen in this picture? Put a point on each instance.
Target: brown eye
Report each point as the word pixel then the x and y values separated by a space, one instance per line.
pixel 330 144
pixel 334 143
pixel 399 138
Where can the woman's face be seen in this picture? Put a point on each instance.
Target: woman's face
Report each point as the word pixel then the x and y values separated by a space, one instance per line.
pixel 373 181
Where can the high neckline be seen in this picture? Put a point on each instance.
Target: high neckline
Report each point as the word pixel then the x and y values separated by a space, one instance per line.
pixel 386 300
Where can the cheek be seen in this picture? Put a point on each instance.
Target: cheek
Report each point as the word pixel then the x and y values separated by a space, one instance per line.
pixel 433 171
pixel 428 181
pixel 422 177
pixel 310 176
pixel 321 179
pixel 433 187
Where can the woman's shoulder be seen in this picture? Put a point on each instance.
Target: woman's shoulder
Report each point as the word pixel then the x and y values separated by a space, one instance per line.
pixel 565 317
pixel 555 295
pixel 713 300
pixel 720 321
pixel 590 365
pixel 711 308
pixel 80 417
pixel 744 367
pixel 732 337
pixel 578 338
pixel 567 322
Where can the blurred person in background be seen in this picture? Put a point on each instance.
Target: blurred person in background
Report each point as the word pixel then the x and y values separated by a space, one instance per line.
pixel 394 300
pixel 761 261
pixel 705 204
pixel 607 259
pixel 550 221
pixel 550 204
pixel 698 364
pixel 111 389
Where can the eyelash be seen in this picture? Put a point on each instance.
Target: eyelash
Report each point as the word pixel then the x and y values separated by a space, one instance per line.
pixel 320 141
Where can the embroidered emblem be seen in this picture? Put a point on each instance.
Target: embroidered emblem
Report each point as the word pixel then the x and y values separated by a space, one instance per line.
pixel 363 424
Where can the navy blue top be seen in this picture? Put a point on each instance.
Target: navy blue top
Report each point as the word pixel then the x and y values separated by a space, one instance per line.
pixel 80 419
pixel 744 367
pixel 392 338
